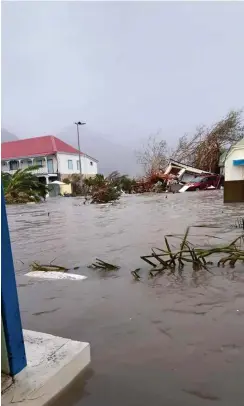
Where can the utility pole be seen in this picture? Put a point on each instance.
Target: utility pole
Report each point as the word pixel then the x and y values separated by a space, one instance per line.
pixel 78 123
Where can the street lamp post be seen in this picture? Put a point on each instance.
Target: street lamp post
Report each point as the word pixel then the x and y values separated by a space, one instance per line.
pixel 78 123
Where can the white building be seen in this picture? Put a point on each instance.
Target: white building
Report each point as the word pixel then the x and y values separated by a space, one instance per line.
pixel 55 158
pixel 234 174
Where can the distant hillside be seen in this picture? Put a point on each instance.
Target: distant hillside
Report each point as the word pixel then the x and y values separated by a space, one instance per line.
pixel 7 136
pixel 111 156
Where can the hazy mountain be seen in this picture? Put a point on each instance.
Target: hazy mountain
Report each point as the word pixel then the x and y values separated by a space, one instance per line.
pixel 111 156
pixel 7 136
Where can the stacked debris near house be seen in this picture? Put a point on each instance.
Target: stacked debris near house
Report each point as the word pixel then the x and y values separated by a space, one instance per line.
pixel 175 178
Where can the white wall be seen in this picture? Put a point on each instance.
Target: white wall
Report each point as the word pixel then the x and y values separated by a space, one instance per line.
pixel 4 168
pixel 86 167
pixel 234 172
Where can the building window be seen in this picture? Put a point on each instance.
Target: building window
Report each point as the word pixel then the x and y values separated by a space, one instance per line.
pixel 39 163
pixel 78 165
pixel 70 164
pixel 91 163
pixel 29 163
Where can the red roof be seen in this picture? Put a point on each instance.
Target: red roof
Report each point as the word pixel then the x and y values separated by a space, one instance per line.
pixel 46 145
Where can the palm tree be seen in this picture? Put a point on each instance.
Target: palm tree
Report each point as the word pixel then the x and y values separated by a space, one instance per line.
pixel 105 189
pixel 23 186
pixel 97 180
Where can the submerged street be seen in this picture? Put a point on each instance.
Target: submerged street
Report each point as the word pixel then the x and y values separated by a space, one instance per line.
pixel 167 341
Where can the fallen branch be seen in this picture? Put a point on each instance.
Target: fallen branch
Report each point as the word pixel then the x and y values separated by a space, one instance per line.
pixel 47 268
pixel 99 264
pixel 135 274
pixel 190 255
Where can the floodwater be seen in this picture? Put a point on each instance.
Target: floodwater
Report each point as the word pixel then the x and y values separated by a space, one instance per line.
pixel 170 340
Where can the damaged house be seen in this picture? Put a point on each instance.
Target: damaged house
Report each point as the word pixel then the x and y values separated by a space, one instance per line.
pixel 184 173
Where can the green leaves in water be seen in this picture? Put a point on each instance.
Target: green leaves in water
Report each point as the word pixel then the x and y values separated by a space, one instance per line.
pixel 135 274
pixel 99 264
pixel 35 266
pixel 163 259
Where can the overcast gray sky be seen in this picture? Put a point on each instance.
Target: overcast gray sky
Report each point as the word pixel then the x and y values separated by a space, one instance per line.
pixel 127 68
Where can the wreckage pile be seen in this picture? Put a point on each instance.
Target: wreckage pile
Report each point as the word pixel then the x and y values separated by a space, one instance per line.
pixel 156 181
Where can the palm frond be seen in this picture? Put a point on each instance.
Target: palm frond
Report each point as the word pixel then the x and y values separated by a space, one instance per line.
pixel 23 186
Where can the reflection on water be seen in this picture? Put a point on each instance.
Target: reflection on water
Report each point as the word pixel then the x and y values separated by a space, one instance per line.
pixel 170 340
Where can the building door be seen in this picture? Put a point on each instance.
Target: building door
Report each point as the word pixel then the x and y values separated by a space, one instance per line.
pixel 50 166
pixel 14 165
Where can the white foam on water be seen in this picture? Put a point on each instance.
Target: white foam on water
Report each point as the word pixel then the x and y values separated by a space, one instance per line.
pixel 55 275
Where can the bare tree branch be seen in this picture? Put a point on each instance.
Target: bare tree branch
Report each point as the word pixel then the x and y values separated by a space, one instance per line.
pixel 154 154
pixel 204 148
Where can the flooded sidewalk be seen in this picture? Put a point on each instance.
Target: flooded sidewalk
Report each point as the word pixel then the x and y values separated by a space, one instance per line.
pixel 167 340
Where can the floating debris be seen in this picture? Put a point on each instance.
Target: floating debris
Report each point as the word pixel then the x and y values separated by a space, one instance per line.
pixel 240 223
pixel 166 259
pixel 99 264
pixel 135 274
pixel 55 275
pixel 35 266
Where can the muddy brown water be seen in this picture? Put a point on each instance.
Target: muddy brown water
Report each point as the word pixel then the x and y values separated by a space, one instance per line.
pixel 167 341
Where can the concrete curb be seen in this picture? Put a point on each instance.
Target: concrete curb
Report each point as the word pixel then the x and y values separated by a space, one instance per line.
pixel 52 364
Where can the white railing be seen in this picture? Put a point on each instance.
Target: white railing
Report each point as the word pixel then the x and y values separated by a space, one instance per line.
pixel 43 170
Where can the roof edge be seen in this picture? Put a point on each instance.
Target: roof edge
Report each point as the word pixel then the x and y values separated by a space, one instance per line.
pixel 27 156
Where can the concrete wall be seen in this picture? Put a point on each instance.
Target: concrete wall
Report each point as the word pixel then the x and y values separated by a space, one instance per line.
pixel 86 167
pixel 234 177
pixel 234 172
pixel 65 189
pixel 234 191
